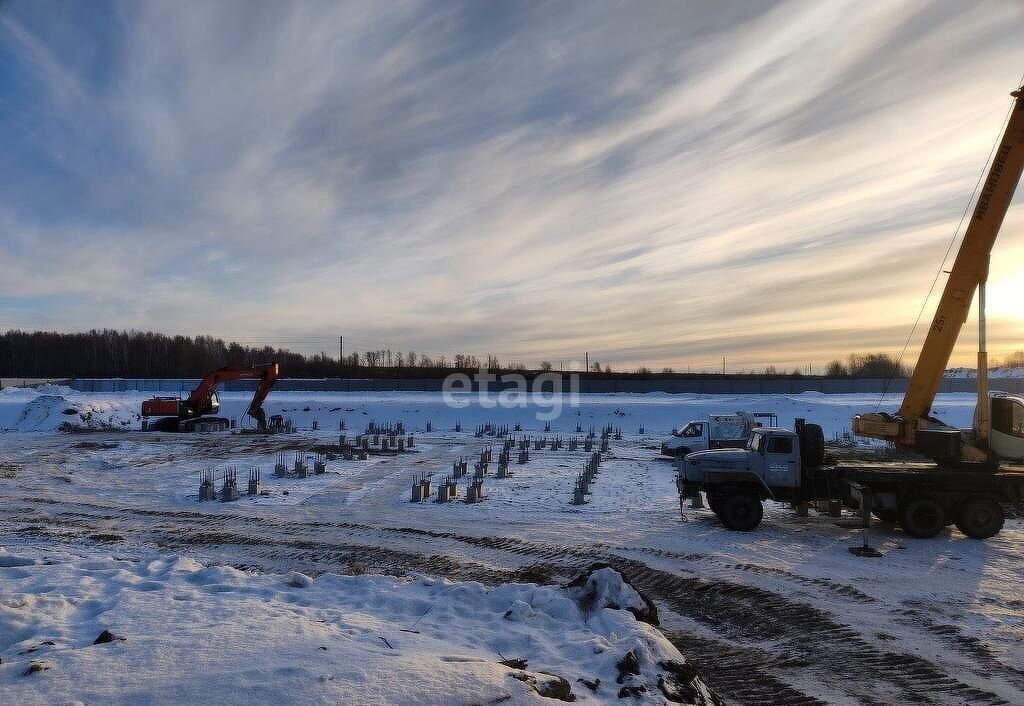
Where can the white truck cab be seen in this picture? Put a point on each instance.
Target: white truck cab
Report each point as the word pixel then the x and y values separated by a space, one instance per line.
pixel 716 431
pixel 1006 436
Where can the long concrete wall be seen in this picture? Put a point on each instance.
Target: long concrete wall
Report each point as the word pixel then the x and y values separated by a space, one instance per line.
pixel 711 386
pixel 27 382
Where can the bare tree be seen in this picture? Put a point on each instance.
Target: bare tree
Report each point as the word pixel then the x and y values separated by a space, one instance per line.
pixel 875 365
pixel 836 369
pixel 1014 360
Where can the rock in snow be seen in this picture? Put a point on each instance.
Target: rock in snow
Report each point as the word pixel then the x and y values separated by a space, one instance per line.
pixel 603 587
pixel 298 580
pixel 104 637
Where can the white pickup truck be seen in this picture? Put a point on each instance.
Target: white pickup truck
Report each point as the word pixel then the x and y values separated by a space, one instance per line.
pixel 716 431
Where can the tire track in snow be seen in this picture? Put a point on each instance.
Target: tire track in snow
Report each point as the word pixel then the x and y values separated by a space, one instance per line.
pixel 749 622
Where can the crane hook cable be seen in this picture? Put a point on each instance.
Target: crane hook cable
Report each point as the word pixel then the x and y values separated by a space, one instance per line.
pixel 945 257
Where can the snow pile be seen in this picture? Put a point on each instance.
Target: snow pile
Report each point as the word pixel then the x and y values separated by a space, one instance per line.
pixel 603 587
pixel 164 629
pixel 51 407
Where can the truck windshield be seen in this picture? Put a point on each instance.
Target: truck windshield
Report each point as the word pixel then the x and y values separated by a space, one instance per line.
pixel 728 428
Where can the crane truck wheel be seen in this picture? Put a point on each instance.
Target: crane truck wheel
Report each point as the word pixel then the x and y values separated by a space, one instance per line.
pixel 922 517
pixel 741 512
pixel 812 445
pixel 980 517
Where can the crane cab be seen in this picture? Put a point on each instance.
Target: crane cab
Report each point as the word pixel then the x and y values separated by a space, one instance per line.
pixel 1006 437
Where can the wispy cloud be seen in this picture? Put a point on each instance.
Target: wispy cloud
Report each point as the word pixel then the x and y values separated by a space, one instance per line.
pixel 665 183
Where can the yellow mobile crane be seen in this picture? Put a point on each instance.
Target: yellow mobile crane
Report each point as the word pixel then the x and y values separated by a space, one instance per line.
pixel 912 427
pixel 966 487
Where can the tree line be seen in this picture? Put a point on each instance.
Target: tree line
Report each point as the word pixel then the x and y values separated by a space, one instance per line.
pixel 867 365
pixel 110 353
pixel 145 354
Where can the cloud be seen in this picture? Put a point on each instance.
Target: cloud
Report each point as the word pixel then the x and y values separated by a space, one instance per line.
pixel 661 185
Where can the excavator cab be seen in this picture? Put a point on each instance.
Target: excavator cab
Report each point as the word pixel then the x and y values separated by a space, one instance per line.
pixel 214 406
pixel 1006 437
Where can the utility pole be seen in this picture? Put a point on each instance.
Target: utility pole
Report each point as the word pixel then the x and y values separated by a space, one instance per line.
pixel 341 350
pixel 586 364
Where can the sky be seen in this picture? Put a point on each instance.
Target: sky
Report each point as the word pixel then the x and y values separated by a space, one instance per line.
pixel 654 183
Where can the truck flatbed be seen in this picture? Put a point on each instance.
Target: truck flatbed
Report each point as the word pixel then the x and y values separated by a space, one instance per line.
pixel 904 468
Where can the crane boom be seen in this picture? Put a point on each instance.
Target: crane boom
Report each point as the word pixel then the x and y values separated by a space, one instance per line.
pixel 970 267
pixel 969 270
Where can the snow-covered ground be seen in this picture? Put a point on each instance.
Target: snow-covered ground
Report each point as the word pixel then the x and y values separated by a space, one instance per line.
pixel 179 632
pixel 48 407
pixel 784 613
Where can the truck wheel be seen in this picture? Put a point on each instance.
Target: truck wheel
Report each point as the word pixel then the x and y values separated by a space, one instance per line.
pixel 922 517
pixel 741 512
pixel 714 504
pixel 812 445
pixel 980 517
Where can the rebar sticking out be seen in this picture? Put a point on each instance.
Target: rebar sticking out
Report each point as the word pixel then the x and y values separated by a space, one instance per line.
pixel 229 491
pixel 503 471
pixel 206 490
pixel 475 491
pixel 254 482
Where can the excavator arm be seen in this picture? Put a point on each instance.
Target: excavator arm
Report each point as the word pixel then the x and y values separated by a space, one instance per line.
pixel 267 381
pixel 203 399
pixel 969 270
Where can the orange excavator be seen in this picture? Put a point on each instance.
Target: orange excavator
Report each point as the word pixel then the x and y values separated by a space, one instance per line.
pixel 192 414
